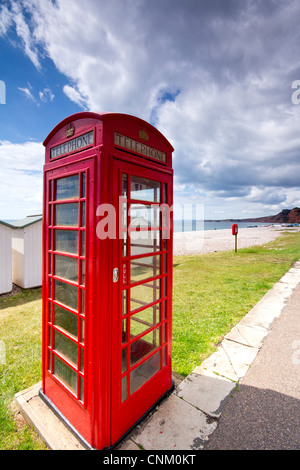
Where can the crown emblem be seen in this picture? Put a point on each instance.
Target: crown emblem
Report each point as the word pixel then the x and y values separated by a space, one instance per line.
pixel 143 135
pixel 70 131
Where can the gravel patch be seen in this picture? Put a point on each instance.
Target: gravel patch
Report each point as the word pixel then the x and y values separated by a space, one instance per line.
pixel 208 241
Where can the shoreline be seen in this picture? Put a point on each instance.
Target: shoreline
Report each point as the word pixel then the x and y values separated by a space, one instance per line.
pixel 209 241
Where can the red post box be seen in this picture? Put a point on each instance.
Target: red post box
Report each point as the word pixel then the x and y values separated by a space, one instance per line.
pixel 235 229
pixel 107 273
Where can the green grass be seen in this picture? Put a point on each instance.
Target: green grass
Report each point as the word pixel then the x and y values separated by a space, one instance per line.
pixel 20 331
pixel 211 294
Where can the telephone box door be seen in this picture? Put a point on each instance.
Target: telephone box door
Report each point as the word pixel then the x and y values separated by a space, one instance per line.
pixel 142 283
pixel 67 288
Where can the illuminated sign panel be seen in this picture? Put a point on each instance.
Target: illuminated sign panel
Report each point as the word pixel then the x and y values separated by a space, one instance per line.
pixel 85 140
pixel 138 147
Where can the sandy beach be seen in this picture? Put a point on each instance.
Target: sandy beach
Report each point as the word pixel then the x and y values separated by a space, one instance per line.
pixel 207 241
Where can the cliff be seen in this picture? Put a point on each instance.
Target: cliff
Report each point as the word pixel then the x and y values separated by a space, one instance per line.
pixel 286 216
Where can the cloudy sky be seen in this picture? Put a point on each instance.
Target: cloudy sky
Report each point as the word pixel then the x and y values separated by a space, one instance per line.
pixel 216 77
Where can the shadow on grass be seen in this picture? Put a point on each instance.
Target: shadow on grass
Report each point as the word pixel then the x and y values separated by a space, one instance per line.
pixel 19 296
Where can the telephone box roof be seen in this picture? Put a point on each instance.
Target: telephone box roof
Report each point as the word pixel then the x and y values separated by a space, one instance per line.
pixel 105 116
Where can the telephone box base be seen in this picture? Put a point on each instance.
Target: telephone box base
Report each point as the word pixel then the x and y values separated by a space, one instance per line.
pixel 83 442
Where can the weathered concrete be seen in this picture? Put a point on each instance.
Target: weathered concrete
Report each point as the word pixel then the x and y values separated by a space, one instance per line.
pixel 176 425
pixel 49 427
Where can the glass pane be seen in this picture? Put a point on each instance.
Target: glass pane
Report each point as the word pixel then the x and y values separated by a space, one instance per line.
pixel 83 176
pixel 143 268
pixel 144 320
pixel 82 301
pixel 81 388
pixel 66 241
pixel 124 244
pixel 50 293
pixel 165 264
pixel 143 216
pixel 124 388
pixel 82 329
pixel 164 333
pixel 50 239
pixel 66 320
pixel 143 346
pixel 82 244
pixel 124 185
pixel 65 346
pixel 65 373
pixel 124 360
pixel 83 214
pixel 164 192
pixel 66 267
pixel 50 336
pixel 124 303
pixel 66 214
pixel 124 215
pixel 82 273
pixel 144 189
pixel 164 287
pixel 66 294
pixel 144 294
pixel 124 331
pixel 81 359
pixel 144 242
pixel 144 372
pixel 50 189
pixel 67 188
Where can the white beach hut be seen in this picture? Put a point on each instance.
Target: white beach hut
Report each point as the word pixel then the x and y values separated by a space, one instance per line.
pixel 5 258
pixel 27 252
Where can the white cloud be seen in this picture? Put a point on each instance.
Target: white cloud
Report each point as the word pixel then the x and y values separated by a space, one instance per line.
pixel 21 179
pixel 27 92
pixel 46 95
pixel 24 33
pixel 75 96
pixel 215 77
pixel 6 20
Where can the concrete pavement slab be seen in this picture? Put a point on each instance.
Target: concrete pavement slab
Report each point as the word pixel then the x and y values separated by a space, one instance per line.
pixel 176 425
pixel 240 356
pixel 217 363
pixel 248 335
pixel 206 391
pixel 49 427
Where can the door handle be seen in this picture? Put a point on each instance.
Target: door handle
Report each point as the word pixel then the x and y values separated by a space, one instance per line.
pixel 115 275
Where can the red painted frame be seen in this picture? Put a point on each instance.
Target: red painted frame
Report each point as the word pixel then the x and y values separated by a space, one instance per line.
pixel 96 415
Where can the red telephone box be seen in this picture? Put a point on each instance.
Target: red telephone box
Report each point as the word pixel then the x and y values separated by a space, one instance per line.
pixel 107 273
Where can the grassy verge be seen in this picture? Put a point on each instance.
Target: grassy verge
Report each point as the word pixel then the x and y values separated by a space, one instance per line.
pixel 20 332
pixel 211 294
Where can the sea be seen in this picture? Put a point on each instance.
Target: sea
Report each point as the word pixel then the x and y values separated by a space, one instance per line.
pixel 198 225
